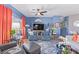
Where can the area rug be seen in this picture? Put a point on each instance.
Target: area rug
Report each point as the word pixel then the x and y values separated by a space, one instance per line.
pixel 48 47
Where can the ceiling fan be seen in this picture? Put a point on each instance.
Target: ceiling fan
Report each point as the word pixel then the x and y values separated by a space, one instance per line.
pixel 39 12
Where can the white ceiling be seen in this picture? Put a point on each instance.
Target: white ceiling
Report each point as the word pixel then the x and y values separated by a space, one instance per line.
pixel 53 9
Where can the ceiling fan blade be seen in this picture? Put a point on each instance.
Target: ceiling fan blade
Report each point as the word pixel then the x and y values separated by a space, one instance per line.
pixel 38 9
pixel 41 14
pixel 43 11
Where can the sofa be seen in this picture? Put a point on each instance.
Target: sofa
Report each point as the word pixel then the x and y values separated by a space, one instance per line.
pixel 7 46
pixel 12 46
pixel 34 48
pixel 74 45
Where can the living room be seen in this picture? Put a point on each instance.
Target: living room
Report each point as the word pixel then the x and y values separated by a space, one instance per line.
pixel 39 29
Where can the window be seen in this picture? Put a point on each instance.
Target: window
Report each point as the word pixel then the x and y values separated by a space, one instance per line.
pixel 76 24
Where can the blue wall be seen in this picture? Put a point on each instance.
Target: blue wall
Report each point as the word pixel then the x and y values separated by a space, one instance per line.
pixel 47 22
pixel 64 29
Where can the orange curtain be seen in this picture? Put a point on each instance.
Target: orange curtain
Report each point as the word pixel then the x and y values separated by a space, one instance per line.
pixel 5 24
pixel 1 18
pixel 9 23
pixel 23 23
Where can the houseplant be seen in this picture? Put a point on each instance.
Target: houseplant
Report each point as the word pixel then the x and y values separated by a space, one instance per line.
pixel 13 32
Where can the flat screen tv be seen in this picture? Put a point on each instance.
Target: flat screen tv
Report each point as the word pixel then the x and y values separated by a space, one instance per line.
pixel 38 26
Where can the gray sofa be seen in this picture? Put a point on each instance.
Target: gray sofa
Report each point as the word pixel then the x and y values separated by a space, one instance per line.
pixel 34 48
pixel 7 46
pixel 74 45
pixel 12 46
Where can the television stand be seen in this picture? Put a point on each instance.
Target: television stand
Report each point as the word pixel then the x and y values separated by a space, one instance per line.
pixel 39 34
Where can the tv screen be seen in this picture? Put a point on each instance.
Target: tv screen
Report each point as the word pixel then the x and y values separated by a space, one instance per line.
pixel 38 26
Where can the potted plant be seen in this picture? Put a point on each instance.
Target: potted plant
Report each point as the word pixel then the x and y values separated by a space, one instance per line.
pixel 13 32
pixel 65 50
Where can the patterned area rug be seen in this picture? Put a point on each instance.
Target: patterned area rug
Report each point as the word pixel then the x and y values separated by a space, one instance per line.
pixel 48 47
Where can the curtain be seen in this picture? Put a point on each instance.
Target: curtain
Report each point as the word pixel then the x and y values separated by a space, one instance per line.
pixel 9 23
pixel 5 24
pixel 23 23
pixel 1 18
